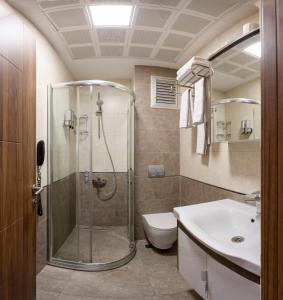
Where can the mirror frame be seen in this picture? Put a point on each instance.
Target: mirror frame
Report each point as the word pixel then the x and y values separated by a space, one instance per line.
pixel 233 43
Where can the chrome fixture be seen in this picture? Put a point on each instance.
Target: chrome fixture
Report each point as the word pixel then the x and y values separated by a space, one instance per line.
pixel 255 197
pixel 100 183
pixel 236 101
pixel 70 119
pixel 246 127
pixel 83 122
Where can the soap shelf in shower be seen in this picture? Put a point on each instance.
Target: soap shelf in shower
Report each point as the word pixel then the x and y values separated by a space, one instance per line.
pixel 83 120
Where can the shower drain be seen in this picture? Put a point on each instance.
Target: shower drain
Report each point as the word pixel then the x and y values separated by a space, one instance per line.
pixel 237 239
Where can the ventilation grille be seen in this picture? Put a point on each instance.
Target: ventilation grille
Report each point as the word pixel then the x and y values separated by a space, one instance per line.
pixel 163 93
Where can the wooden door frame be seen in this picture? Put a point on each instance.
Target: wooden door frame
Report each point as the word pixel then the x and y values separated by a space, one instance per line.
pixel 272 150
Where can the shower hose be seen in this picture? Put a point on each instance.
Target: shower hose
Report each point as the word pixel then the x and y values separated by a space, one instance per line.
pixel 107 196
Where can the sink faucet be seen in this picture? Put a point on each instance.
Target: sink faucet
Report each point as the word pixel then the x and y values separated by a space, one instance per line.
pixel 255 196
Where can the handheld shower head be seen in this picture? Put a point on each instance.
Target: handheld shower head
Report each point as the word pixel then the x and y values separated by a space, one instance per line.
pixel 99 103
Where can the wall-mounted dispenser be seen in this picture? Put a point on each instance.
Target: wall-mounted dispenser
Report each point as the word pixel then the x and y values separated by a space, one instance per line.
pixel 246 127
pixel 70 119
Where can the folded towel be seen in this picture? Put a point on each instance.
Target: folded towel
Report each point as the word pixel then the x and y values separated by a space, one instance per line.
pixel 199 105
pixel 186 110
pixel 187 68
pixel 201 139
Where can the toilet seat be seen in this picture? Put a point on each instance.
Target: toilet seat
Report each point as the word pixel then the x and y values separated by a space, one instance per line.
pixel 160 229
pixel 161 221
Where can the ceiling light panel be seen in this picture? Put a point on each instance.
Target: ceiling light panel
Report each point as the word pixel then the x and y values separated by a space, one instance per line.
pixel 167 55
pixel 171 3
pixel 145 37
pixel 111 35
pixel 57 3
pixel 213 8
pixel 243 73
pixel 152 17
pixel 111 15
pixel 242 58
pixel 142 52
pixel 254 49
pixel 83 52
pixel 112 50
pixel 226 67
pixel 77 37
pixel 190 24
pixel 176 41
pixel 68 18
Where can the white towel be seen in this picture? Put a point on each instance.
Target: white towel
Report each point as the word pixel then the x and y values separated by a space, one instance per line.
pixel 199 104
pixel 186 110
pixel 187 67
pixel 201 139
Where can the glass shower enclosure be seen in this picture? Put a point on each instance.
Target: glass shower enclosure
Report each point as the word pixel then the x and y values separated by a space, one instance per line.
pixel 91 168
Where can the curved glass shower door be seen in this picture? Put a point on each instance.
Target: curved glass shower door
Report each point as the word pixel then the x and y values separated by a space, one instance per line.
pixel 90 175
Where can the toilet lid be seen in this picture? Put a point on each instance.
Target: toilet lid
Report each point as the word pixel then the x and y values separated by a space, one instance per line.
pixel 161 221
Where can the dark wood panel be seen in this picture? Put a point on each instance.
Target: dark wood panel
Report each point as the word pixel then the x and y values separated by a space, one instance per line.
pixel 11 262
pixel 29 163
pixel 11 39
pixel 271 159
pixel 279 8
pixel 11 188
pixel 10 102
pixel 17 162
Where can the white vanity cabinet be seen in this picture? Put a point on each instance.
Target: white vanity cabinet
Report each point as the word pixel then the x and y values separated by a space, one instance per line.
pixel 192 264
pixel 209 278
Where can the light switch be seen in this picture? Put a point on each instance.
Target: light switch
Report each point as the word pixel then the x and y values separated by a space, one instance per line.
pixel 156 171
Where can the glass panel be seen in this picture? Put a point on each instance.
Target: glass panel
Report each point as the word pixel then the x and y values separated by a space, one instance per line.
pixel 237 78
pixel 110 141
pixel 84 203
pixel 63 180
pixel 91 171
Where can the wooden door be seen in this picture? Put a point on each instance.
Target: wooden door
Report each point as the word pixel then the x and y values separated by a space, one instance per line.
pixel 17 160
pixel 272 150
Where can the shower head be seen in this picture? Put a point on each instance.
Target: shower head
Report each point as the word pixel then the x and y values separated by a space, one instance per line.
pixel 99 102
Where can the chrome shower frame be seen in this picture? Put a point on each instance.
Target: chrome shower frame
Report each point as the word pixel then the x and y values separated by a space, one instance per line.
pixel 132 244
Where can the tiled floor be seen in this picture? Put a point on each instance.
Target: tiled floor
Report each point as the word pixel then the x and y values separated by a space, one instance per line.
pixel 104 238
pixel 150 276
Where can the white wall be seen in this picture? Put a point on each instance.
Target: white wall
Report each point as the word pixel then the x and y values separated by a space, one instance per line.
pixel 115 118
pixel 49 69
pixel 231 166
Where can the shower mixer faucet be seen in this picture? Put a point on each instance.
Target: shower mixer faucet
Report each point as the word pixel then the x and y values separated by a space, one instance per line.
pixel 99 183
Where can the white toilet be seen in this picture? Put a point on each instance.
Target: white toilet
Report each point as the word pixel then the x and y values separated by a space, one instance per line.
pixel 160 229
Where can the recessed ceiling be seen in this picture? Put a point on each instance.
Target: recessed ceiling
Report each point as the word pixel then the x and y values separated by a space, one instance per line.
pixel 162 31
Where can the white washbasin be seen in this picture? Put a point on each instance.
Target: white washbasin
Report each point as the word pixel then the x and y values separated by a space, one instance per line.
pixel 216 223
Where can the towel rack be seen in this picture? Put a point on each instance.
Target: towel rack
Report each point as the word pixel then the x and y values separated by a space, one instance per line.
pixel 197 71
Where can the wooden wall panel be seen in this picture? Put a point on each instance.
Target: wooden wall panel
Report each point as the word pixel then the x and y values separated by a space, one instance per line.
pixel 272 150
pixel 29 163
pixel 11 185
pixel 17 161
pixel 279 27
pixel 10 102
pixel 11 259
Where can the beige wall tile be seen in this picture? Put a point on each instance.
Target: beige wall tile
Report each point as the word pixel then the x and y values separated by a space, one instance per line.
pixel 156 142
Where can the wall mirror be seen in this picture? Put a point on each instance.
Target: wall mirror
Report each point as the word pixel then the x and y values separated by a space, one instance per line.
pixel 236 109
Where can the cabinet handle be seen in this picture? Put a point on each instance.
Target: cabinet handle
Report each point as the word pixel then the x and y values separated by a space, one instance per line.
pixel 204 278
